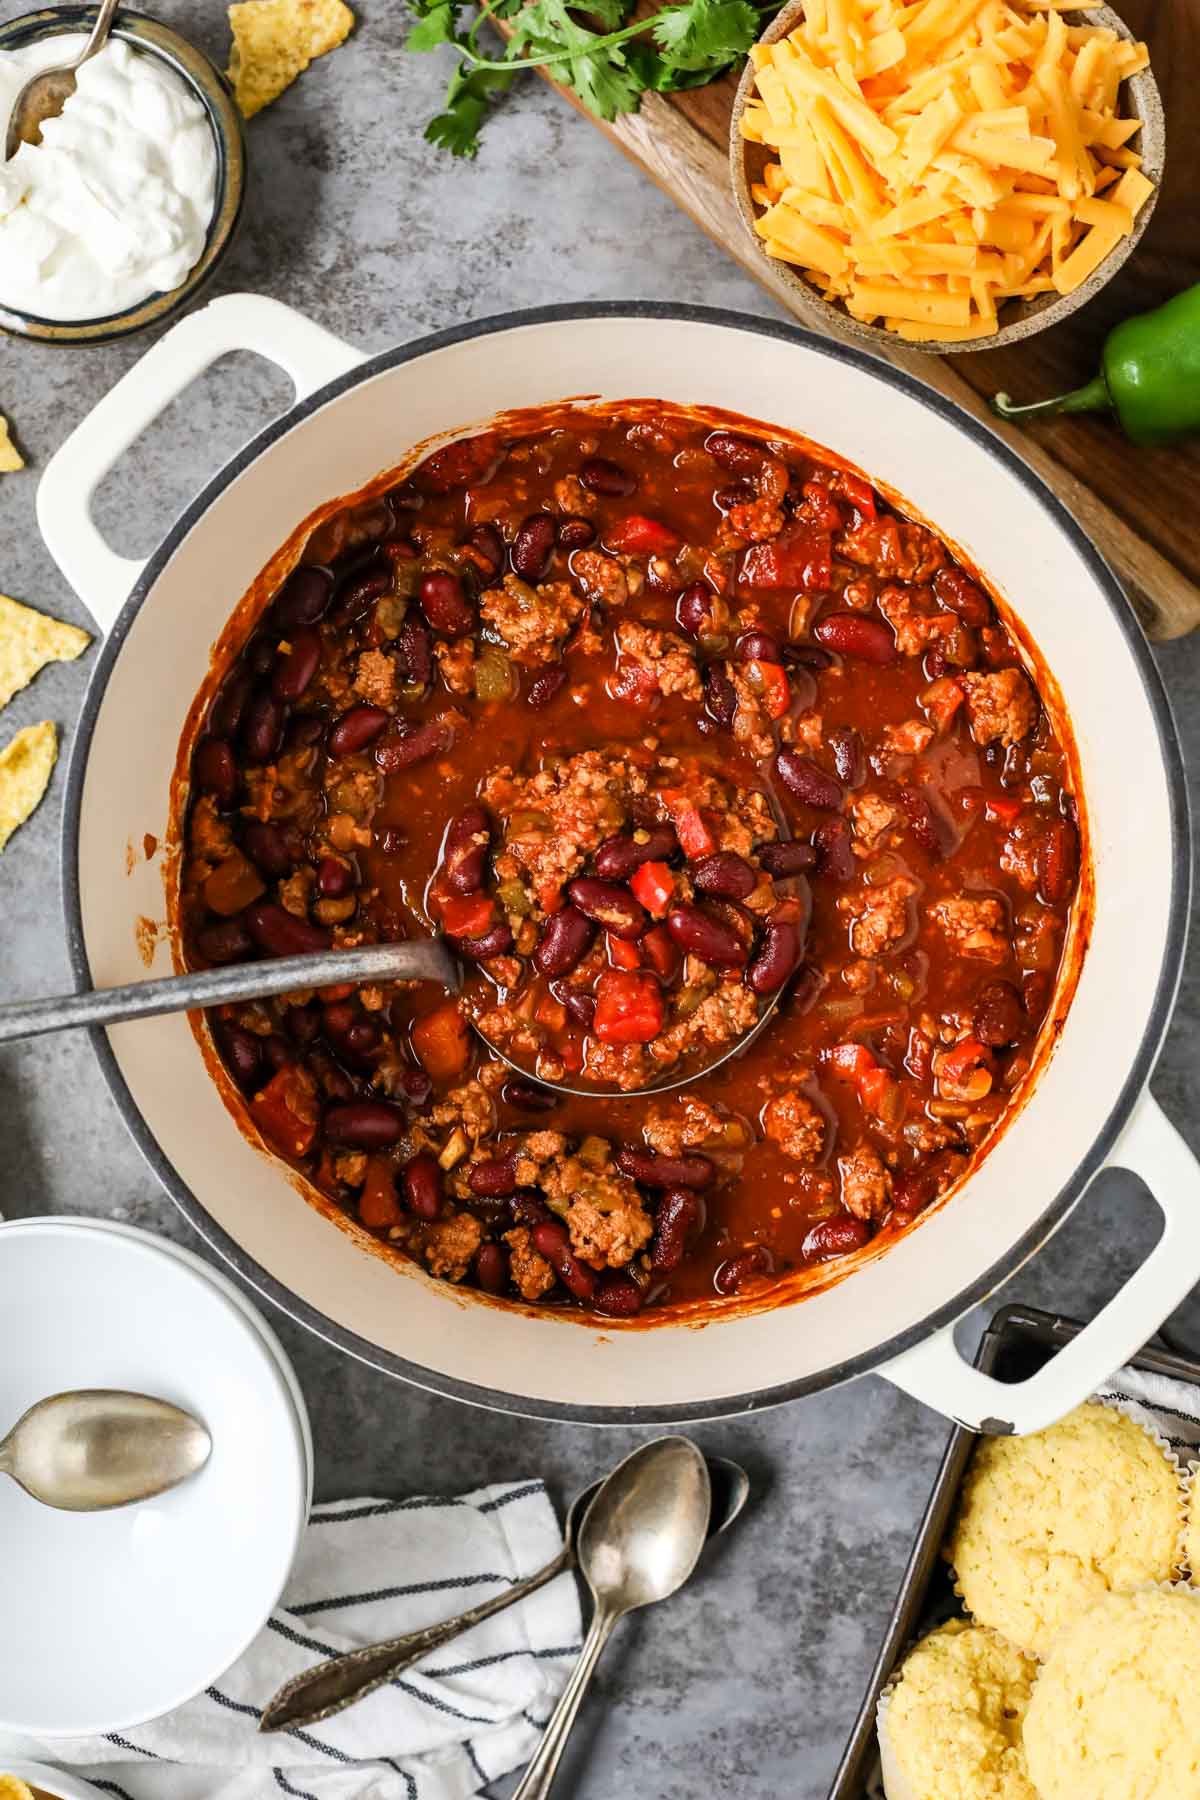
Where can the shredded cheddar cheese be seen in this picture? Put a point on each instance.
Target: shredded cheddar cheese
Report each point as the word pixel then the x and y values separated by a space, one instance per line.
pixel 932 159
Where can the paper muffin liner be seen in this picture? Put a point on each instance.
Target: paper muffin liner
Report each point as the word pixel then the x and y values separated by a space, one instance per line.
pixel 1185 1479
pixel 1189 1557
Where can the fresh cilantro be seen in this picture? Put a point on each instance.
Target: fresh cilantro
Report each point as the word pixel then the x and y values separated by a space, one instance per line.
pixel 592 50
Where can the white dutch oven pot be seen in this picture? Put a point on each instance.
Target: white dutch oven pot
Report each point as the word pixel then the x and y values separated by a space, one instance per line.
pixel 355 417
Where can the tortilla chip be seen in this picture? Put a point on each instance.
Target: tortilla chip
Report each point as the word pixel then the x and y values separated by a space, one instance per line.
pixel 10 460
pixel 275 40
pixel 26 765
pixel 28 641
pixel 13 1788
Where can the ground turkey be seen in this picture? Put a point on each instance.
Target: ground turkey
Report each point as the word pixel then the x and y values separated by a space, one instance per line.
pixel 689 1125
pixel 456 665
pixel 873 820
pixel 375 681
pixel 664 657
pixel 603 1212
pixel 751 726
pixel 880 914
pixel 908 739
pixel 530 1271
pixel 537 1148
pixel 1001 707
pixel 1019 857
pixel 602 579
pixel 916 627
pixel 894 547
pixel 797 1125
pixel 727 1013
pixel 556 818
pixel 866 1184
pixel 449 1244
pixel 975 927
pixel 532 623
pixel 471 1107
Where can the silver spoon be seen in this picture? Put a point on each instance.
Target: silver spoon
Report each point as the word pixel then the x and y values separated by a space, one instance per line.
pixel 44 95
pixel 97 1448
pixel 638 1543
pixel 342 1681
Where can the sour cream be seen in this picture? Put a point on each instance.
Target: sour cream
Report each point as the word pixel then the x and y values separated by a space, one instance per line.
pixel 115 203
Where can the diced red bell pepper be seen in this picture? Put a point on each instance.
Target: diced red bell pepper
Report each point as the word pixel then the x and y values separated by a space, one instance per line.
pixel 769 681
pixel 653 884
pixel 962 1059
pixel 468 915
pixel 860 493
pixel 661 952
pixel 636 535
pixel 871 1080
pixel 623 954
pixel 442 1041
pixel 695 837
pixel 629 1007
pixel 800 557
pixel 999 810
pixel 378 1205
pixel 286 1110
pixel 634 682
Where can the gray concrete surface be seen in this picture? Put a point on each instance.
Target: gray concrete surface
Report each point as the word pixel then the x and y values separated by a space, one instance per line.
pixel 747 1684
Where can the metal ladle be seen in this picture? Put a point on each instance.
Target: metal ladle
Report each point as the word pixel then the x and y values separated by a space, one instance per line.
pixel 44 95
pixel 96 1448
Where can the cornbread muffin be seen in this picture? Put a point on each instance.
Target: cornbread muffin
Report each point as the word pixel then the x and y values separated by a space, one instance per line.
pixel 1114 1714
pixel 950 1727
pixel 1049 1524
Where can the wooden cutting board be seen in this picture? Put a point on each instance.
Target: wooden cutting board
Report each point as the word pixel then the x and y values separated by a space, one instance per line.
pixel 1141 508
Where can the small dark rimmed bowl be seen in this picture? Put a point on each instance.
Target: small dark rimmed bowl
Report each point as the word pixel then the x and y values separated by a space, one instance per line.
pixel 210 88
pixel 1017 318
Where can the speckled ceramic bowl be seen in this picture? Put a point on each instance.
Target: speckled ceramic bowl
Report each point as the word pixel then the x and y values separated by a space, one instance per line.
pixel 212 91
pixel 1018 318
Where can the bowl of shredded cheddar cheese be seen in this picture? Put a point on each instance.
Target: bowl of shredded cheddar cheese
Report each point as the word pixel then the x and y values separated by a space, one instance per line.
pixel 955 175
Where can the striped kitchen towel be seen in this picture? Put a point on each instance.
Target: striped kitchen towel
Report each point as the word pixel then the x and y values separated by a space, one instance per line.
pixel 371 1569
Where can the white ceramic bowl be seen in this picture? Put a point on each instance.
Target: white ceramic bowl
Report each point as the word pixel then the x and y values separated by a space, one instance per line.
pixel 117 1617
pixel 1088 1108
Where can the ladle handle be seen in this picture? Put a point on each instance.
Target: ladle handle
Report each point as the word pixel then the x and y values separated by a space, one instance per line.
pixel 332 1686
pixel 424 960
pixel 539 1776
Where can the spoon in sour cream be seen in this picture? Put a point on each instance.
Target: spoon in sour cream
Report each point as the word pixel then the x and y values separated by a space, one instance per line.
pixel 44 95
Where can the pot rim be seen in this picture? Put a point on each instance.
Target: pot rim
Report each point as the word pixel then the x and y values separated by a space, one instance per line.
pixel 479 1394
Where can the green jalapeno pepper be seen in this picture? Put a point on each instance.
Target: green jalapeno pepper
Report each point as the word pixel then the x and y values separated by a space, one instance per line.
pixel 1149 376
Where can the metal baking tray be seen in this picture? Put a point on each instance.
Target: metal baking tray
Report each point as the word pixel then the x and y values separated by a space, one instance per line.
pixel 1019 1340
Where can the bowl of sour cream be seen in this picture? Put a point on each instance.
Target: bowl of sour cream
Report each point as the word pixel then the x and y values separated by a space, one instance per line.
pixel 123 211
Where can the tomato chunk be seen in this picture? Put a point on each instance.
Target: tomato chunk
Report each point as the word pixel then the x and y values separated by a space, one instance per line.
pixel 800 557
pixel 378 1205
pixel 637 535
pixel 662 952
pixel 468 916
pixel 769 681
pixel 286 1110
pixel 629 1007
pixel 872 1082
pixel 622 954
pixel 654 885
pixel 695 836
pixel 442 1041
pixel 860 493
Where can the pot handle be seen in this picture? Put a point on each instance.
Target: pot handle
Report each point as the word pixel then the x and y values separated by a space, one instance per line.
pixel 308 353
pixel 934 1372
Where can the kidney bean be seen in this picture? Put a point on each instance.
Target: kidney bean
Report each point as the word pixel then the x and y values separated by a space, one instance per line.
pixel 224 941
pixel 492 943
pixel 576 533
pixel 802 778
pixel 527 1096
pixel 276 1051
pixel 617 1295
pixel 357 728
pixel 486 541
pixel 364 1125
pixel 526 1209
pixel 849 757
pixel 415 1087
pixel 725 874
pixel 359 592
pixel 999 1017
pixel 694 609
pixel 913 1189
pixel 465 850
pixel 543 687
pixel 740 454
pixel 551 1241
pixel 281 933
pixel 835 850
pixel 334 878
pixel 334 1080
pixel 491 1268
pixel 302 731
pixel 259 653
pixel 533 546
pixel 778 959
pixel 720 695
pixel 302 598
pixel 617 857
pixel 214 770
pixel 600 476
pixel 1057 861
pixel 739 1269
pixel 582 1007
pixel 421 1185
pixel 923 822
pixel 782 860
pixel 416 650
pixel 651 1170
pixel 850 634
pixel 293 671
pixel 408 747
pixel 806 656
pixel 699 934
pixel 243 1053
pixel 267 848
pixel 676 1220
pixel 566 939
pixel 737 494
pixel 225 714
pixel 349 1030
pixel 609 905
pixel 304 1022
pixel 838 1236
pixel 757 646
pixel 961 595
pixel 444 604
pixel 1037 985
pixel 495 1178
pixel 262 727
